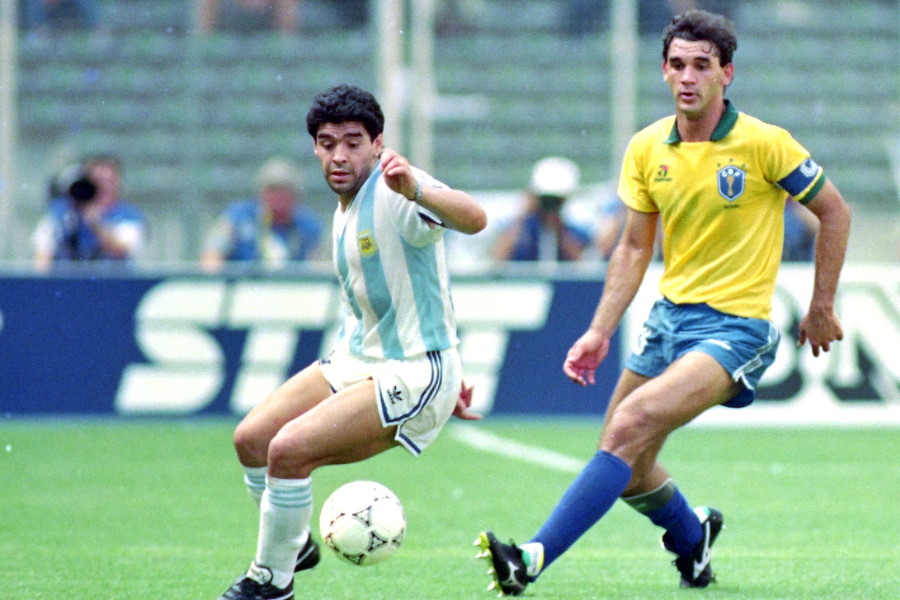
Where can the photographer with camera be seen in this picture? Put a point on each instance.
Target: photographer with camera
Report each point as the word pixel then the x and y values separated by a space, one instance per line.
pixel 542 231
pixel 270 230
pixel 86 219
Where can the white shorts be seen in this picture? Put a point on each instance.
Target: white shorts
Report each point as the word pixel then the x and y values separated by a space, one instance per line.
pixel 416 394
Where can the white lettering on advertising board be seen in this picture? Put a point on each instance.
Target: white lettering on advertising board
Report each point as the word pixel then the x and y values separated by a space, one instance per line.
pixel 857 382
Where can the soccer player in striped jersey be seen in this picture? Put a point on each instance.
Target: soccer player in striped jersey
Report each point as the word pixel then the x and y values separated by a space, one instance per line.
pixel 394 376
pixel 717 179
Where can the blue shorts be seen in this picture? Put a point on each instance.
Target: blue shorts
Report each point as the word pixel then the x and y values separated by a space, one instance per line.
pixel 744 347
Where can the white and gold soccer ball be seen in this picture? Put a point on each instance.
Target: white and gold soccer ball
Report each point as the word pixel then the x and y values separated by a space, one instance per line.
pixel 363 522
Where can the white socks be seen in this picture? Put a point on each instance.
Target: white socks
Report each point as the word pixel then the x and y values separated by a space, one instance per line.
pixel 533 556
pixel 255 480
pixel 285 510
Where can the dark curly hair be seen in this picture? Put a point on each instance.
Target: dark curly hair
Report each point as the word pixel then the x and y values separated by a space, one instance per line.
pixel 700 25
pixel 344 103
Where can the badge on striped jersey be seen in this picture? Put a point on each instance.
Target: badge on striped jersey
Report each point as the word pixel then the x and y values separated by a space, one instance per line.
pixel 366 242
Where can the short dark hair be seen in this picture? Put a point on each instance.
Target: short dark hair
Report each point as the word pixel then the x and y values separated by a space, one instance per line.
pixel 344 103
pixel 700 25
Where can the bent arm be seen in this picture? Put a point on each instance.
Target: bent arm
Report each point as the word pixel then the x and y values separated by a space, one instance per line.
pixel 820 325
pixel 118 241
pixel 457 209
pixel 831 243
pixel 502 249
pixel 623 278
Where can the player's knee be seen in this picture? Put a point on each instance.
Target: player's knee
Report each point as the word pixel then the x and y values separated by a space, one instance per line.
pixel 287 456
pixel 629 433
pixel 251 445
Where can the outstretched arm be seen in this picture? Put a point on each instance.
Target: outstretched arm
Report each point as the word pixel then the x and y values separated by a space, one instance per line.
pixel 623 278
pixel 456 208
pixel 821 325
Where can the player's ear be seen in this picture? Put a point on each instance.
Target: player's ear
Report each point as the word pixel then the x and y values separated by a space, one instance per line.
pixel 378 142
pixel 727 74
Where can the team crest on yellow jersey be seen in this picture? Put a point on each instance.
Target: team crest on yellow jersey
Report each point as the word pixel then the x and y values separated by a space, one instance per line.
pixel 731 180
pixel 366 242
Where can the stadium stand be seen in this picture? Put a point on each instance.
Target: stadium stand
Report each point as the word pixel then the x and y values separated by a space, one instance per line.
pixel 191 116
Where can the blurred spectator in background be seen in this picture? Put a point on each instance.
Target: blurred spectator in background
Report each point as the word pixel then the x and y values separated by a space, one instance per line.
pixel 270 230
pixel 800 229
pixel 541 231
pixel 87 219
pixel 42 16
pixel 280 15
pixel 611 224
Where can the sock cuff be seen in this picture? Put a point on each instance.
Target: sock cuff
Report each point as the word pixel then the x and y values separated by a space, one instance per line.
pixel 652 500
pixel 533 557
pixel 289 493
pixel 255 475
pixel 614 460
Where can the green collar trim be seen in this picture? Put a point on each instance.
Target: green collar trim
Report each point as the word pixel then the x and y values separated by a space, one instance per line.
pixel 723 127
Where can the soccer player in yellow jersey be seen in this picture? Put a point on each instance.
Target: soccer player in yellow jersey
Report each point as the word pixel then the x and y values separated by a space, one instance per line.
pixel 717 180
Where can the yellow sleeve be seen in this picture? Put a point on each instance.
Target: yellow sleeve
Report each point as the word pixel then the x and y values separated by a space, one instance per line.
pixel 633 189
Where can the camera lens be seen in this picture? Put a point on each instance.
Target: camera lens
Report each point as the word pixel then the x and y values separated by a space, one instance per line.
pixel 82 189
pixel 551 203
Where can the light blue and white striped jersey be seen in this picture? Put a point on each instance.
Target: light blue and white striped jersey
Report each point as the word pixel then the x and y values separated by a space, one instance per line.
pixel 392 270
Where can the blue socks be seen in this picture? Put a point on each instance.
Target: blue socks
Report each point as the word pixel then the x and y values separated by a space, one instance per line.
pixel 680 522
pixel 588 498
pixel 600 483
pixel 667 507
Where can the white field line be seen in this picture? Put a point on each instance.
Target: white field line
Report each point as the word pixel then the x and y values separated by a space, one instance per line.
pixel 494 444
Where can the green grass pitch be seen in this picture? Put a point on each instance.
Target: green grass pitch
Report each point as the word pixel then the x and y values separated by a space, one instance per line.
pixel 151 510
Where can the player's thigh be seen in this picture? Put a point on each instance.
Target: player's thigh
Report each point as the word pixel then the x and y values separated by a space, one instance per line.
pixel 691 385
pixel 642 419
pixel 345 428
pixel 647 473
pixel 296 396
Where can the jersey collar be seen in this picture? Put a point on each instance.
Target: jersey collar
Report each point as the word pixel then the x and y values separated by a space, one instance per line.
pixel 723 127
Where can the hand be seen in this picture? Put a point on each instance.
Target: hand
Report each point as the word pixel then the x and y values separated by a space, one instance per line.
pixel 585 356
pixel 398 173
pixel 461 410
pixel 91 212
pixel 820 327
pixel 553 220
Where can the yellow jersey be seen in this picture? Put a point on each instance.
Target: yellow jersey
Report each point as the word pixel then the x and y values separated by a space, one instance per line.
pixel 721 204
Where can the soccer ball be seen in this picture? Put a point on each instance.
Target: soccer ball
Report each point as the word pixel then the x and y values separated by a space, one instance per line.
pixel 363 522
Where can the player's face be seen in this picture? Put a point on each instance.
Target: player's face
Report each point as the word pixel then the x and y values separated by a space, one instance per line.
pixel 695 77
pixel 106 176
pixel 347 155
pixel 280 201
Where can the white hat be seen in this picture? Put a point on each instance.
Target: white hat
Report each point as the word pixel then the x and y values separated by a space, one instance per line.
pixel 555 176
pixel 278 172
